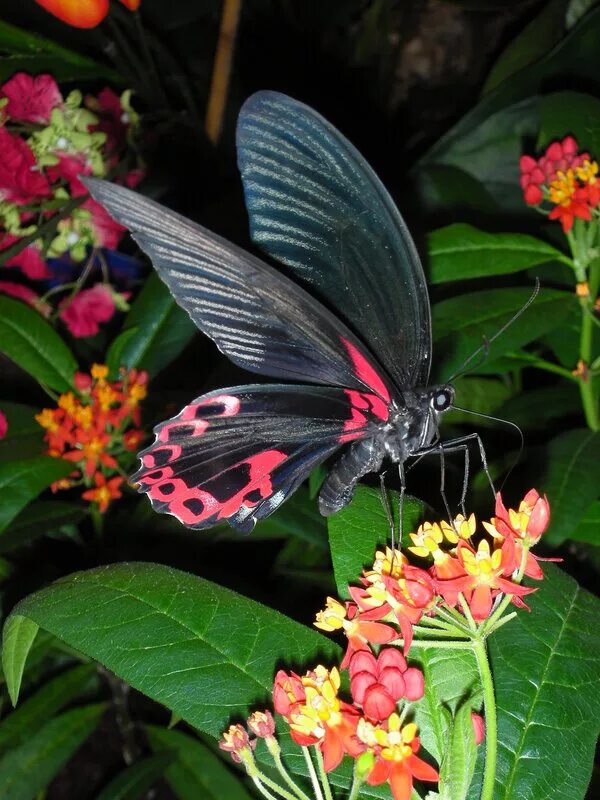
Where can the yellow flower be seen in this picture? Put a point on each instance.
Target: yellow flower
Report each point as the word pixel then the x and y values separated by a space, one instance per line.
pixel 482 564
pixel 332 617
pixel 427 539
pixel 99 372
pixel 587 171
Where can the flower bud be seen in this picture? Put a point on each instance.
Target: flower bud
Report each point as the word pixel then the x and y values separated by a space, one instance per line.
pixel 478 727
pixel 262 724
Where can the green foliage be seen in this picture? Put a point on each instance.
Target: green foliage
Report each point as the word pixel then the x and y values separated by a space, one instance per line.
pixel 24 433
pixel 461 324
pixel 461 251
pixel 17 728
pixel 133 782
pixel 22 481
pixel 154 332
pixel 571 480
pixel 195 770
pixel 28 768
pixel 28 340
pixel 17 638
pixel 459 765
pixel 28 52
pixel 203 651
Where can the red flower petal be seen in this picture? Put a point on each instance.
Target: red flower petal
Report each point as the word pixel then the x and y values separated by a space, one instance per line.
pixel 378 703
pixel 78 13
pixel 360 682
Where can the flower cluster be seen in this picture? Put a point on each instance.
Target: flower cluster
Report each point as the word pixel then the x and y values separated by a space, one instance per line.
pixel 466 579
pixel 47 143
pixel 94 428
pixel 564 178
pixel 83 14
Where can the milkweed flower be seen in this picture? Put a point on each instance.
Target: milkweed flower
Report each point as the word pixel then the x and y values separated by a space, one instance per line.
pixel 92 428
pixel 83 313
pixel 394 747
pixel 564 178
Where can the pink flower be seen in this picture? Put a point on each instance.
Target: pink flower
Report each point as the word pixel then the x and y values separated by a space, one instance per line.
pixel 3 425
pixel 31 98
pixel 87 309
pixel 69 168
pixel 20 179
pixel 26 294
pixel 29 260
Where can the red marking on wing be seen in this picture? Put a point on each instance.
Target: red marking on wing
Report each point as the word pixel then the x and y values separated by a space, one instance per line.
pixel 192 505
pixel 362 402
pixel 365 371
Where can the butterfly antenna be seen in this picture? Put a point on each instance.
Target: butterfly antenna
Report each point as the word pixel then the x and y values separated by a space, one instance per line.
pixel 484 348
pixel 502 422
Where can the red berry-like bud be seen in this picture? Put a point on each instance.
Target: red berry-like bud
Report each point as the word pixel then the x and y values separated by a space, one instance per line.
pixel 262 724
pixel 415 683
pixel 391 657
pixel 393 680
pixel 359 683
pixel 363 661
pixel 478 727
pixel 533 195
pixel 378 703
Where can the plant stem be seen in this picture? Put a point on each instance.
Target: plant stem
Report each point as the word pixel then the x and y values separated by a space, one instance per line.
pixel 586 340
pixel 276 787
pixel 357 782
pixel 491 723
pixel 313 775
pixel 219 86
pixel 286 776
pixel 323 774
pixel 265 792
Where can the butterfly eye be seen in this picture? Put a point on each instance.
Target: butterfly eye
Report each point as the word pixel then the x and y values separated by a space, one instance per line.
pixel 441 400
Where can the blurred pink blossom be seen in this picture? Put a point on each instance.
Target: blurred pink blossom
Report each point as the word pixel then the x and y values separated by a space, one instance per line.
pixel 31 98
pixel 83 313
pixel 29 260
pixel 26 294
pixel 3 425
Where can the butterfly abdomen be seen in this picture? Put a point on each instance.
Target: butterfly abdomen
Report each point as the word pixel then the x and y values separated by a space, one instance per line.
pixel 360 459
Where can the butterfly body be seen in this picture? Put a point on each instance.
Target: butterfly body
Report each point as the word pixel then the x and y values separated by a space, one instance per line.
pixel 411 427
pixel 354 378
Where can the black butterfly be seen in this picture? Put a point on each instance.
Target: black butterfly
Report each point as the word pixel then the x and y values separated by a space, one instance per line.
pixel 361 387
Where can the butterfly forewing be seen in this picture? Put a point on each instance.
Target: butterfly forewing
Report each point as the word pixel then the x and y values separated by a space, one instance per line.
pixel 236 454
pixel 259 318
pixel 317 206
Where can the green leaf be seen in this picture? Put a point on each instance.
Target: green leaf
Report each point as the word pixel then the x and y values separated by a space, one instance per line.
pixel 458 252
pixel 39 519
pixel 588 529
pixel 356 532
pixel 28 340
pixel 450 678
pixel 546 665
pixel 575 55
pixel 205 652
pixel 22 481
pixel 18 727
pixel 574 113
pixel 489 150
pixel 538 407
pixel 26 770
pixel 446 188
pixel 17 639
pixel 23 432
pixel 34 54
pixel 197 772
pixel 534 41
pixel 570 480
pixel 459 764
pixel 133 783
pixel 160 330
pixel 461 324
pixel 114 357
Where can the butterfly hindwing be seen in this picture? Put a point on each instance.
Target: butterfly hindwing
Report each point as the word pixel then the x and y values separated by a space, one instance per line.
pixel 258 317
pixel 236 454
pixel 316 205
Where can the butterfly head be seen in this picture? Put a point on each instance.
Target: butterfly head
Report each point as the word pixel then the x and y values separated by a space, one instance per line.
pixel 441 397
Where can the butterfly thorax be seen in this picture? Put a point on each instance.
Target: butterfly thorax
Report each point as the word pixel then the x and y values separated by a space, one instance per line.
pixel 411 427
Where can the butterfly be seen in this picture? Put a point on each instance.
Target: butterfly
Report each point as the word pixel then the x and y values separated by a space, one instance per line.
pixel 355 382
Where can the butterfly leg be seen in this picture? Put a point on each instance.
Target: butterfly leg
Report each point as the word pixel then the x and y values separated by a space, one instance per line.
pixel 360 459
pixel 387 507
pixel 461 443
pixel 401 502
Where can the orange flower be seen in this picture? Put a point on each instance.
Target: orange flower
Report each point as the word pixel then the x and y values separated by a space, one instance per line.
pixel 394 747
pixel 82 13
pixel 104 492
